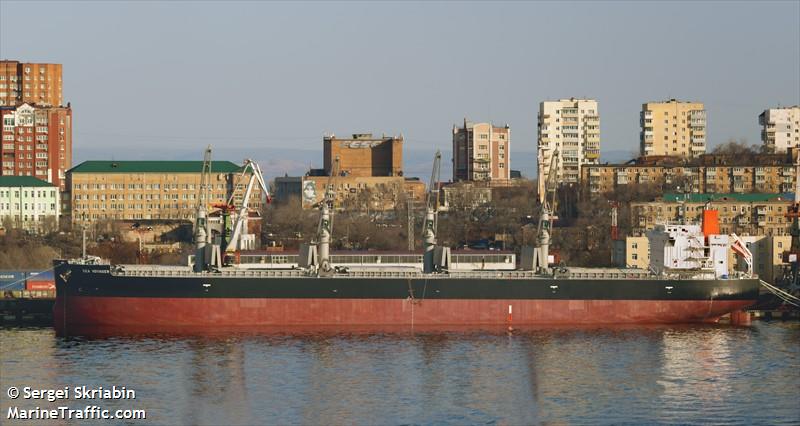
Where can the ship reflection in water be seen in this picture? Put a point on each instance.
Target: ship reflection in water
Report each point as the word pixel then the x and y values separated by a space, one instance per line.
pixel 634 374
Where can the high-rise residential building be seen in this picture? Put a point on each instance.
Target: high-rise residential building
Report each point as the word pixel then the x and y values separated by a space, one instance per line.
pixel 36 141
pixel 481 152
pixel 673 128
pixel 364 155
pixel 22 82
pixel 572 127
pixel 781 128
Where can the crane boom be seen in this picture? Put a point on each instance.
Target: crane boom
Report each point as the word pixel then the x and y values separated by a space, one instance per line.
pixel 256 178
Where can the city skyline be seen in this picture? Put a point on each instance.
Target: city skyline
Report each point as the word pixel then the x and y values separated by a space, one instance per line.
pixel 278 76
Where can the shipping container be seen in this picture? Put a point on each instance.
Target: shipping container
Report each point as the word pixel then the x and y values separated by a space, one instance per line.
pixel 40 285
pixel 41 275
pixel 12 280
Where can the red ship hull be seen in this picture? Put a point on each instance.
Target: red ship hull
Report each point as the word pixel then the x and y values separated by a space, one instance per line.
pixel 81 315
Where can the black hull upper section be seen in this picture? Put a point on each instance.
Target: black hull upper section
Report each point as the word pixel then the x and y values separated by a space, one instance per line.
pixel 97 281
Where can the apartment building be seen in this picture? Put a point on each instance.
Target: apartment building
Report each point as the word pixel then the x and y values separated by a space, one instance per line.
pixel 148 190
pixel 364 155
pixel 36 141
pixel 23 82
pixel 481 152
pixel 742 214
pixel 571 127
pixel 28 203
pixel 673 128
pixel 707 174
pixel 780 128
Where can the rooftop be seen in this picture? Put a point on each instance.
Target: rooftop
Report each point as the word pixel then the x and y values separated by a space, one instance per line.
pixel 23 181
pixel 153 167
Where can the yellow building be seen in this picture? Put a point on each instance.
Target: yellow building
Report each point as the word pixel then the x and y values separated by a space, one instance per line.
pixel 673 128
pixel 632 252
pixel 741 214
pixel 707 174
pixel 148 190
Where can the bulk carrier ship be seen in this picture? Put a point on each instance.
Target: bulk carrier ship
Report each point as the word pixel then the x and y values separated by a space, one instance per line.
pixel 688 282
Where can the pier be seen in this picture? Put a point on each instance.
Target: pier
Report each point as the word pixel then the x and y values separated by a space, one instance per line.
pixel 23 307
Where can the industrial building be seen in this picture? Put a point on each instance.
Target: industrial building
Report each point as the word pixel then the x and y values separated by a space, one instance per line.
pixel 364 155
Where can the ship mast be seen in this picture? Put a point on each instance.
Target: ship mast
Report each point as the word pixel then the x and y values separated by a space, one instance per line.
pixel 429 227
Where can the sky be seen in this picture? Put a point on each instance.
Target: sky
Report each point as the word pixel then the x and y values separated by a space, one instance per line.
pixel 266 80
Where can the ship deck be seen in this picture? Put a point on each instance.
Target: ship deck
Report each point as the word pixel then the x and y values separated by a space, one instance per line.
pixel 406 273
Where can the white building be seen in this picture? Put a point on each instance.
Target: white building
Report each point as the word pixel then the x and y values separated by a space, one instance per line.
pixel 28 203
pixel 780 128
pixel 571 126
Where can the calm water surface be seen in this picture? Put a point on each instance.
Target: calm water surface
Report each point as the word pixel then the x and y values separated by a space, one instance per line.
pixel 686 374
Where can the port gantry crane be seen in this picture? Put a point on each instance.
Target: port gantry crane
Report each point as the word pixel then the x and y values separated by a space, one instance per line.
pixel 546 216
pixel 430 225
pixel 240 226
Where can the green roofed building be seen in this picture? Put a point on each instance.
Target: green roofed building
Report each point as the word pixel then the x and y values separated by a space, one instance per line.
pixel 147 190
pixel 28 203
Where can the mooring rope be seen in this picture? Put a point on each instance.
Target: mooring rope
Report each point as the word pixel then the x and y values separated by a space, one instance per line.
pixel 786 297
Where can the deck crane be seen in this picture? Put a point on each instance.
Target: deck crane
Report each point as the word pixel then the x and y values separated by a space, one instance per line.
pixel 546 216
pixel 240 226
pixel 325 226
pixel 430 225
pixel 201 234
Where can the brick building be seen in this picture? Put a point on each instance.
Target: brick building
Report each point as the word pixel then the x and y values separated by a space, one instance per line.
pixel 22 82
pixel 377 193
pixel 481 152
pixel 363 155
pixel 36 141
pixel 148 190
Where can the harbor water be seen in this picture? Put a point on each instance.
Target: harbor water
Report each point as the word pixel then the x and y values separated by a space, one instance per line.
pixel 716 374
